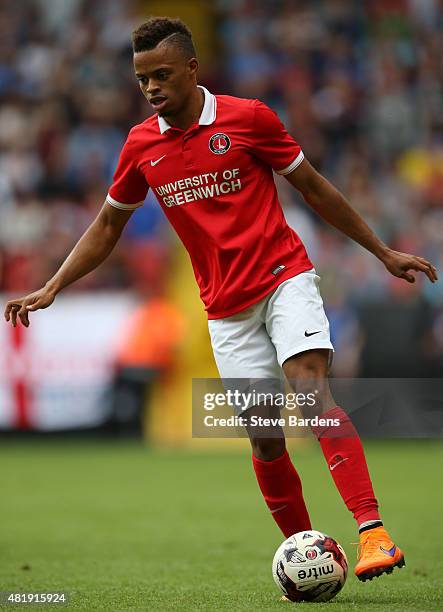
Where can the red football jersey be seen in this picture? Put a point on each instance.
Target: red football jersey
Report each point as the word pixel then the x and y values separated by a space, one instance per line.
pixel 215 183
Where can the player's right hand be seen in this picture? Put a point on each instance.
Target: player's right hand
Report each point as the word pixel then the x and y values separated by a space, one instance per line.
pixel 21 307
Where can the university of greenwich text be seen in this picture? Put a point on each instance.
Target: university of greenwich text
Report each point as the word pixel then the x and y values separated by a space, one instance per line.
pixel 200 187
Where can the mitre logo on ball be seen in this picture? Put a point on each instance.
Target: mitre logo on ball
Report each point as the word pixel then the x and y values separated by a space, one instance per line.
pixel 219 143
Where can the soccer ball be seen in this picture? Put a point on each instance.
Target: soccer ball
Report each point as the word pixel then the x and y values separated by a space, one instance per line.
pixel 310 566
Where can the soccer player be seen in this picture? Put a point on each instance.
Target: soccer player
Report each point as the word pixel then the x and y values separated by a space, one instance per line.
pixel 209 160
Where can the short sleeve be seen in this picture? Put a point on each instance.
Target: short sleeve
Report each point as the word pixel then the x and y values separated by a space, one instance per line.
pixel 129 188
pixel 272 143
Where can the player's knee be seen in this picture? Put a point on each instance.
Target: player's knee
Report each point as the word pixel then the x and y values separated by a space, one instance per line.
pixel 305 368
pixel 268 449
pixel 307 375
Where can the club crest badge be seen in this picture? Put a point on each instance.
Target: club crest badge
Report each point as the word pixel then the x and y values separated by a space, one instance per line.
pixel 311 554
pixel 219 143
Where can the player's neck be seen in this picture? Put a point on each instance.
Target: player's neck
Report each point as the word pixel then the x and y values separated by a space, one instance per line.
pixel 190 113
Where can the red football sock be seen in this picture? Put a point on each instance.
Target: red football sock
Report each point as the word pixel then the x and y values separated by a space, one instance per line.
pixel 347 464
pixel 282 490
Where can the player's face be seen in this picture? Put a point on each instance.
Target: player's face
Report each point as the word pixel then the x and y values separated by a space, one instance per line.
pixel 166 78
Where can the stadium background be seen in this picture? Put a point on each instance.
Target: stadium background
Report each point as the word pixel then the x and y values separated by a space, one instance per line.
pixel 173 524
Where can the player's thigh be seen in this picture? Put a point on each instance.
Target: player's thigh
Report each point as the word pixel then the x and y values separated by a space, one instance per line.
pixel 296 320
pixel 242 347
pixel 246 358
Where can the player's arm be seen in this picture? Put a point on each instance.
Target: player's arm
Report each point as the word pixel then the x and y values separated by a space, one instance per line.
pixel 90 251
pixel 333 207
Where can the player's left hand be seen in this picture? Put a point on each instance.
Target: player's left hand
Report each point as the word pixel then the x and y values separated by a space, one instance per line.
pixel 400 264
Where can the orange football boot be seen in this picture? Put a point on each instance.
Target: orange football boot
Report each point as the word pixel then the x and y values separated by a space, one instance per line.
pixel 377 554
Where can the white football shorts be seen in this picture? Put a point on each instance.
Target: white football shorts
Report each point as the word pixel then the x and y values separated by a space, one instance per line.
pixel 255 342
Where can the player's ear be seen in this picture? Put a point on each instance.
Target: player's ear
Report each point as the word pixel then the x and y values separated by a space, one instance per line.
pixel 193 66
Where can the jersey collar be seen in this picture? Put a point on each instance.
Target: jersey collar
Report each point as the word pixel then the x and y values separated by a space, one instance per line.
pixel 207 116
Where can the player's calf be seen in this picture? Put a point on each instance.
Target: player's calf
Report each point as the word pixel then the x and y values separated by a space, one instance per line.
pixel 277 478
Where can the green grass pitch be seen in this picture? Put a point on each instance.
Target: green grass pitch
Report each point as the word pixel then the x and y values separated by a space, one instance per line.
pixel 122 527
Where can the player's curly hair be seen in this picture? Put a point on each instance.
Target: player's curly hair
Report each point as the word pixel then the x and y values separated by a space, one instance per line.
pixel 149 34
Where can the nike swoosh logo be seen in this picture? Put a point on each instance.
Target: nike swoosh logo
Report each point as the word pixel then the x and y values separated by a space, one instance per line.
pixel 279 508
pixel 390 552
pixel 332 467
pixel 307 334
pixel 154 163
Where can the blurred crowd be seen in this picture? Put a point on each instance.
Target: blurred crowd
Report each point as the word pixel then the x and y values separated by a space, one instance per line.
pixel 68 97
pixel 358 84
